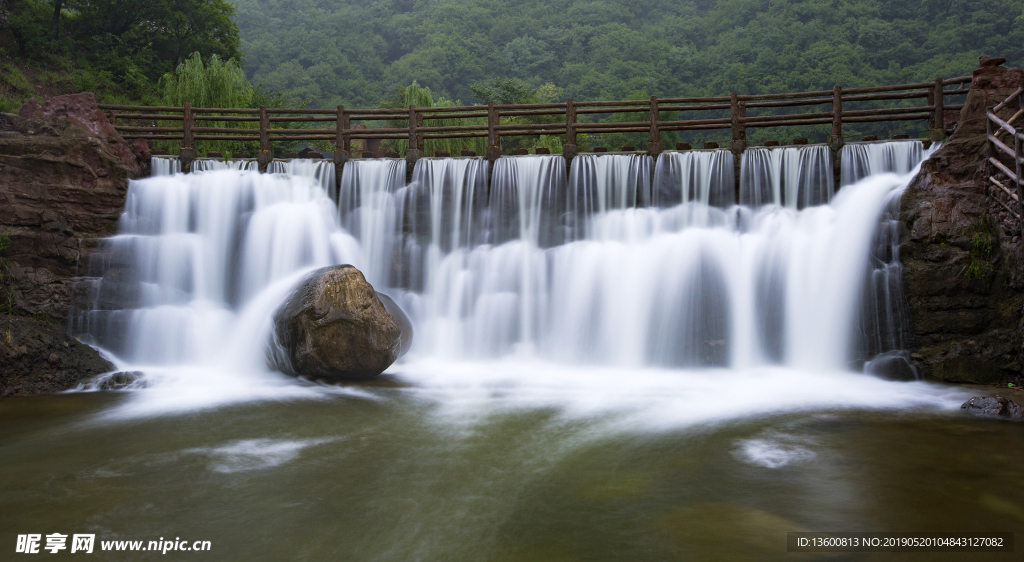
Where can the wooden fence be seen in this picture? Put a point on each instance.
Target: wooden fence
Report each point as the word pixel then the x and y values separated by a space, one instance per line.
pixel 996 128
pixel 269 124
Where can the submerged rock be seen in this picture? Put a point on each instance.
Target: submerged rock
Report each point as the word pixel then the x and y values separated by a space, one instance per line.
pixel 39 357
pixel 335 326
pixel 994 406
pixel 894 366
pixel 120 380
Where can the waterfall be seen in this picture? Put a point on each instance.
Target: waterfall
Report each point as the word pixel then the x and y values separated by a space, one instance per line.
pixel 601 266
pixel 443 209
pixel 165 165
pixel 792 176
pixel 211 164
pixel 366 207
pixel 193 250
pixel 860 160
pixel 320 171
pixel 601 183
pixel 701 176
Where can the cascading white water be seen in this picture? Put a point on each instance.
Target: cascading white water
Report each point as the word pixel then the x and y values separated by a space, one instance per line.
pixel 211 164
pixel 583 271
pixel 794 176
pixel 599 183
pixel 860 160
pixel 701 176
pixel 321 172
pixel 366 205
pixel 194 249
pixel 165 165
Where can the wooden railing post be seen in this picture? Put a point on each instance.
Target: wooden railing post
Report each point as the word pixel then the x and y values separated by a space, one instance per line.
pixel 188 142
pixel 413 143
pixel 1017 155
pixel 837 112
pixel 737 112
pixel 265 154
pixel 492 122
pixel 991 149
pixel 414 152
pixel 939 116
pixel 835 139
pixel 570 149
pixel 340 146
pixel 654 144
pixel 346 126
pixel 493 141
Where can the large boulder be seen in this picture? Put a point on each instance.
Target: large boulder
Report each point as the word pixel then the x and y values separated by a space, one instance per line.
pixel 996 406
pixel 336 327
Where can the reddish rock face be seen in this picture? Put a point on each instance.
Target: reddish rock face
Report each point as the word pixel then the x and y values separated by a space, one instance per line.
pixel 82 109
pixel 64 174
pixel 965 283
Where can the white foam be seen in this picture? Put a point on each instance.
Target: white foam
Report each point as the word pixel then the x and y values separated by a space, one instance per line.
pixel 657 399
pixel 254 454
pixel 775 451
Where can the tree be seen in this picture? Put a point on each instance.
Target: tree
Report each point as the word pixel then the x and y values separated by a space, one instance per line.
pixel 216 83
pixel 504 91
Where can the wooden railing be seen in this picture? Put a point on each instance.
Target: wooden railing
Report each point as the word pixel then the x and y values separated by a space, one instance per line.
pixel 996 128
pixel 268 123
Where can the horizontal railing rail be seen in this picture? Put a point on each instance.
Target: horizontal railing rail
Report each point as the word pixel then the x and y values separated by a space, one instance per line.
pixel 265 125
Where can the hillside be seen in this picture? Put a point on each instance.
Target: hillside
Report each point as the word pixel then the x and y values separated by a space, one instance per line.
pixel 356 52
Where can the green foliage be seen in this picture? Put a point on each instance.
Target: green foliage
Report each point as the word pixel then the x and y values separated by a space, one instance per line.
pixel 414 94
pixel 356 53
pixel 215 83
pixel 983 247
pixel 14 88
pixel 504 91
pixel 116 48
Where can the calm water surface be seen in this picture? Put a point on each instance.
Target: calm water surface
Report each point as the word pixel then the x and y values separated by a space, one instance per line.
pixel 387 474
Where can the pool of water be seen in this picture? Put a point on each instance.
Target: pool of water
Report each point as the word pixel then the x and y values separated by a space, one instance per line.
pixel 430 467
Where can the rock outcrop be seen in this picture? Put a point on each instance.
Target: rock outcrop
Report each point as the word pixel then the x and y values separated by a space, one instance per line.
pixel 64 175
pixel 39 357
pixel 994 406
pixel 963 275
pixel 335 327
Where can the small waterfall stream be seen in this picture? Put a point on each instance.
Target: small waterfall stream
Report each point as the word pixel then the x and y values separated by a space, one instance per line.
pixel 860 160
pixel 794 176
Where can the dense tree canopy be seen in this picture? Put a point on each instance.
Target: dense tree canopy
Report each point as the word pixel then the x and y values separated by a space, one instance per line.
pixel 357 52
pixel 130 43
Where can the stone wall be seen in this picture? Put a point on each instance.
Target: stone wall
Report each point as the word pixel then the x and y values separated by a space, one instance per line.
pixel 962 264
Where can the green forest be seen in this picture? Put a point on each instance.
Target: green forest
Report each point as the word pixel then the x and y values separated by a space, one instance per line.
pixel 368 53
pixel 357 52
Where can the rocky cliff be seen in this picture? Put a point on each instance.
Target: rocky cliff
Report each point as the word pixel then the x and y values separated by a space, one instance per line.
pixel 64 175
pixel 961 253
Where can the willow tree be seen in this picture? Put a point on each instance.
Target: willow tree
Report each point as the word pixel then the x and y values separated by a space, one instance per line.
pixel 418 96
pixel 216 83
